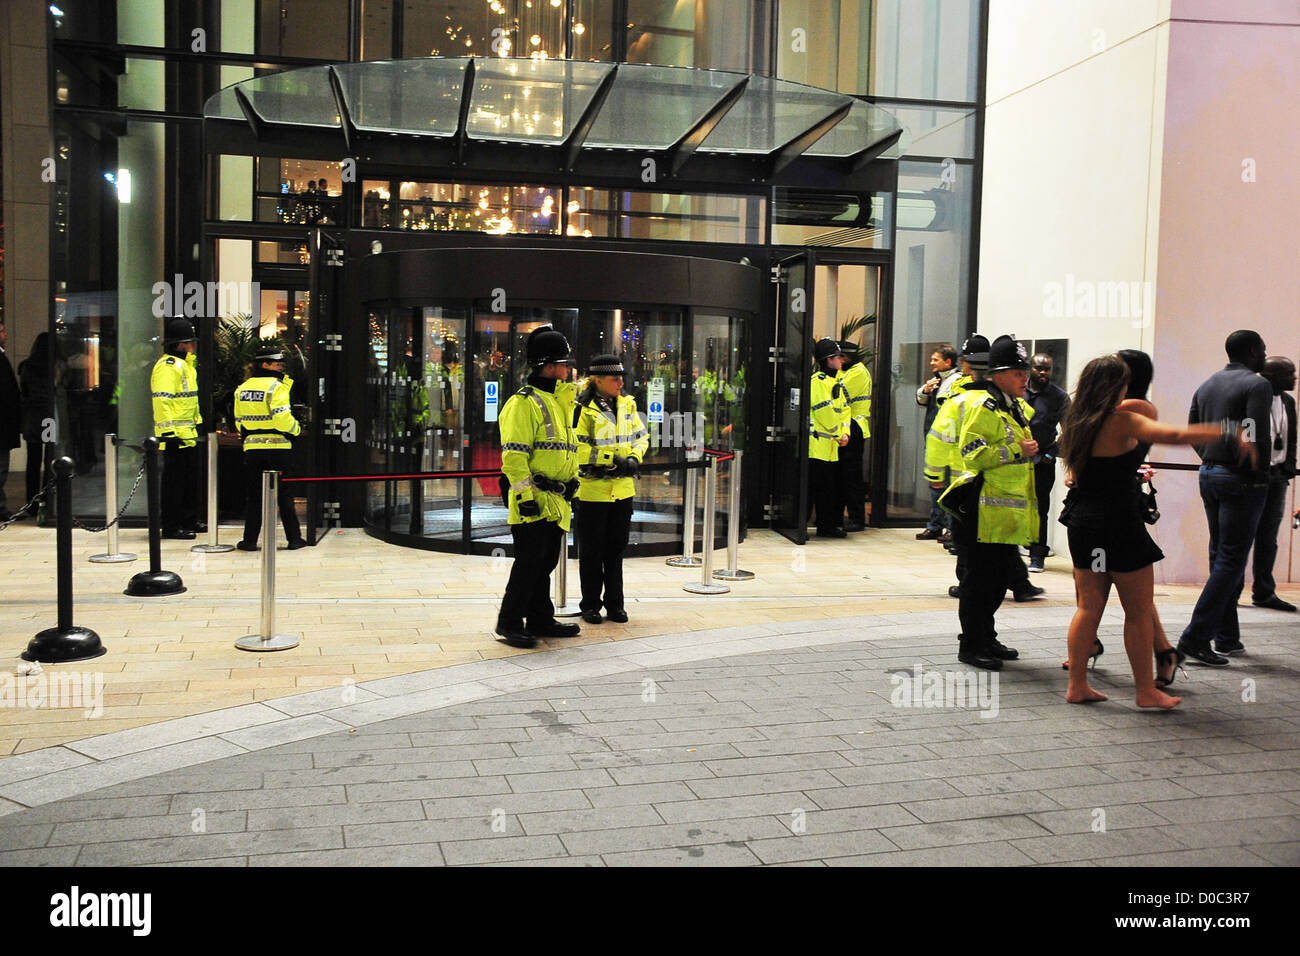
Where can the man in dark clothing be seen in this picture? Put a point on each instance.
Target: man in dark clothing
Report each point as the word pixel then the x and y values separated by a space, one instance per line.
pixel 1049 403
pixel 10 408
pixel 1280 373
pixel 930 396
pixel 1233 490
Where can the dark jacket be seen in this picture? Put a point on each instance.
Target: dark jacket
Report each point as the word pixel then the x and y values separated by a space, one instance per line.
pixel 10 404
pixel 1287 468
pixel 38 395
pixel 1049 407
pixel 1238 397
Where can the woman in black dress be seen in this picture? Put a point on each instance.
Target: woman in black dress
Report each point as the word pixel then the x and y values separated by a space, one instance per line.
pixel 1102 446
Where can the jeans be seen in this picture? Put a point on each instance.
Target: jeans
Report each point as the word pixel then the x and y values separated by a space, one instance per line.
pixel 1044 479
pixel 1264 587
pixel 939 520
pixel 1232 509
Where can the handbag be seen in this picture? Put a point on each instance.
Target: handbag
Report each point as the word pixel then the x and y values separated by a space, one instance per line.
pixel 1147 493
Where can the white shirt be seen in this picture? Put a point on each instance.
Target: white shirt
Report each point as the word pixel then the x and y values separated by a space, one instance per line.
pixel 1278 416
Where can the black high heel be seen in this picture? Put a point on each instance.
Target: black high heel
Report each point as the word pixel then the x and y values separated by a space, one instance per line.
pixel 1092 658
pixel 1163 659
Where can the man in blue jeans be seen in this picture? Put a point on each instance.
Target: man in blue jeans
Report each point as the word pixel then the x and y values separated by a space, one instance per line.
pixel 1234 484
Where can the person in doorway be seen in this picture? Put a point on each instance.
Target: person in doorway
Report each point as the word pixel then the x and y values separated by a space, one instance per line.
pixel 264 419
pixel 855 378
pixel 1280 373
pixel 37 388
pixel 10 416
pixel 174 385
pixel 612 442
pixel 945 378
pixel 1049 402
pixel 828 433
pixel 539 459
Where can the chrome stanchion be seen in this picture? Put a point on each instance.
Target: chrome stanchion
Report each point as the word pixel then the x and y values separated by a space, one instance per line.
pixel 706 586
pixel 732 572
pixel 112 556
pixel 268 640
pixel 562 606
pixel 212 547
pixel 687 559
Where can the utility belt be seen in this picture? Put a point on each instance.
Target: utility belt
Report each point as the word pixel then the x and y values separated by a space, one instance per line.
pixel 550 485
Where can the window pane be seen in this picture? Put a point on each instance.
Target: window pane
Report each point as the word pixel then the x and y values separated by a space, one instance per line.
pixel 925 49
pixel 456 207
pixel 483 28
pixel 715 36
pixel 665 216
pixel 376 29
pixel 304 28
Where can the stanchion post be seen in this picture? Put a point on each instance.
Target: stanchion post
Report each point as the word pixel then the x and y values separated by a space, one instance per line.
pixel 112 556
pixel 732 571
pixel 155 582
pixel 212 547
pixel 687 558
pixel 66 642
pixel 562 606
pixel 706 586
pixel 268 640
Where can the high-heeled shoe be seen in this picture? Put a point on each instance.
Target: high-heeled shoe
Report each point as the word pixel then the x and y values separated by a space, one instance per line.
pixel 1098 650
pixel 1171 658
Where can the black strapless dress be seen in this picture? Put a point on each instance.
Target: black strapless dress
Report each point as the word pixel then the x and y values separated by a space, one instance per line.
pixel 1103 513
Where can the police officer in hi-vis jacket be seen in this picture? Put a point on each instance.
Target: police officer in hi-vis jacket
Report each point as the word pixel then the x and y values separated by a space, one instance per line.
pixel 612 441
pixel 828 432
pixel 992 499
pixel 174 385
pixel 855 379
pixel 539 458
pixel 267 425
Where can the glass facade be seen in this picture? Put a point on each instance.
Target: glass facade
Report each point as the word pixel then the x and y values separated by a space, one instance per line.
pixel 131 197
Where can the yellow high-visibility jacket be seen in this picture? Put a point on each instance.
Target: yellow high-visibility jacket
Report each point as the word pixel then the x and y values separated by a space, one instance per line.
pixel 262 413
pixel 990 446
pixel 174 384
pixel 828 411
pixel 537 438
pixel 600 438
pixel 857 385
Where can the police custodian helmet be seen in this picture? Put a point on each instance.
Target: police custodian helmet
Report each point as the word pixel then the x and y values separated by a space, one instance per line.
pixel 547 347
pixel 1006 354
pixel 178 330
pixel 975 350
pixel 826 348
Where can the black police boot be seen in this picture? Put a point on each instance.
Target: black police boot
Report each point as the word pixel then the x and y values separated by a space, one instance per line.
pixel 592 617
pixel 179 534
pixel 976 656
pixel 999 650
pixel 618 617
pixel 515 635
pixel 554 629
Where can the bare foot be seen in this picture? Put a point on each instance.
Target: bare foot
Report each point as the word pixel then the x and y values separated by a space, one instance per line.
pixel 1087 696
pixel 1157 698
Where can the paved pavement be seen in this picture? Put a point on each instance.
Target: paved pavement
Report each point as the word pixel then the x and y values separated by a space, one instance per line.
pixel 784 742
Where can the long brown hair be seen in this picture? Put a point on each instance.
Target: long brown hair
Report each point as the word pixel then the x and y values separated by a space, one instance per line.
pixel 1101 386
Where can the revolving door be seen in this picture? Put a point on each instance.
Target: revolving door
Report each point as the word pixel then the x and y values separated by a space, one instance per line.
pixel 446 348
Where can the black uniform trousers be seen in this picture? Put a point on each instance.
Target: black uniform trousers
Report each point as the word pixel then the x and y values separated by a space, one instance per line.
pixel 1017 573
pixel 1044 478
pixel 851 484
pixel 602 530
pixel 824 482
pixel 256 462
pixel 180 488
pixel 1270 520
pixel 987 573
pixel 537 552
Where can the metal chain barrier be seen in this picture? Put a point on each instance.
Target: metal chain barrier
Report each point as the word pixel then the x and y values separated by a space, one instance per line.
pixel 32 507
pixel 86 527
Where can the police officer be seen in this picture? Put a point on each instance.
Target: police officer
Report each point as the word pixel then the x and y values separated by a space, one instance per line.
pixel 174 385
pixel 539 458
pixel 265 421
pixel 855 379
pixel 612 441
pixel 828 432
pixel 993 500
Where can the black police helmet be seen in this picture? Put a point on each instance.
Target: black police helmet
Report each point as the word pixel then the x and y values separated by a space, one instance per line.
pixel 826 348
pixel 547 347
pixel 178 330
pixel 975 350
pixel 1006 354
pixel 608 364
pixel 268 353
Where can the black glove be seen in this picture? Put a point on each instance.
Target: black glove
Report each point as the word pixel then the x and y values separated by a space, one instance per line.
pixel 530 509
pixel 624 467
pixel 570 489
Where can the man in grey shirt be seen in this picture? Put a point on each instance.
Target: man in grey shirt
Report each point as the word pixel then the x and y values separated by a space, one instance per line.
pixel 1234 485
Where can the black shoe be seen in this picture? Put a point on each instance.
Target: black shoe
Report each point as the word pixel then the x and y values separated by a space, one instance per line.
pixel 515 635
pixel 928 535
pixel 999 650
pixel 981 658
pixel 833 533
pixel 1027 593
pixel 592 617
pixel 1170 660
pixel 201 527
pixel 1229 647
pixel 1274 603
pixel 852 526
pixel 618 617
pixel 554 629
pixel 945 539
pixel 179 534
pixel 954 591
pixel 246 545
pixel 1202 655
pixel 295 545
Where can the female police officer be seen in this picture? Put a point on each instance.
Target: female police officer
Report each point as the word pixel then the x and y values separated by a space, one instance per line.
pixel 612 441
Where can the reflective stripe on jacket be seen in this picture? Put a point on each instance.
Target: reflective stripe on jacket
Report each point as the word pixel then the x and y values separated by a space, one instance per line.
pixel 857 385
pixel 262 413
pixel 828 414
pixel 174 385
pixel 989 443
pixel 537 439
pixel 600 439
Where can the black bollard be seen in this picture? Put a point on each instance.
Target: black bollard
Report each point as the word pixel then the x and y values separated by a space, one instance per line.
pixel 155 582
pixel 67 642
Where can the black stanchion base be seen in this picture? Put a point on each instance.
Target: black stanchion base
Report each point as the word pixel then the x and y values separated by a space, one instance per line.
pixel 155 584
pixel 62 645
